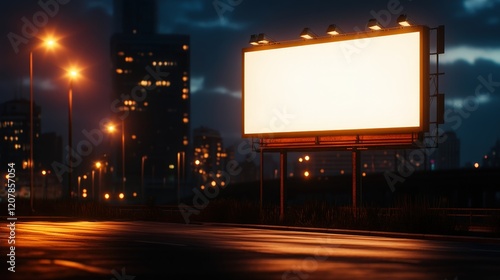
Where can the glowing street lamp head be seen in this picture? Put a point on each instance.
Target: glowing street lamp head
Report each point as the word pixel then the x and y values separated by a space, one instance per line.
pixel 98 164
pixel 73 73
pixel 111 128
pixel 50 43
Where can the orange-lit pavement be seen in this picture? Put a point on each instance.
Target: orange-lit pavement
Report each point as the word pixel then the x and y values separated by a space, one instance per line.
pixel 150 250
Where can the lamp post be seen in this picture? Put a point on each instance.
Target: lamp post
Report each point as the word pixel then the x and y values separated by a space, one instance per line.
pixel 72 75
pixel 111 129
pixel 98 165
pixel 79 178
pixel 93 188
pixel 123 156
pixel 49 43
pixel 143 159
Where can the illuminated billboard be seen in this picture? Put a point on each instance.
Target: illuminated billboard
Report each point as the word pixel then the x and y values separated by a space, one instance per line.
pixel 365 83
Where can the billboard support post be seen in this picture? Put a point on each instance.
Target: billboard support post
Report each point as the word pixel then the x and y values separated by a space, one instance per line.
pixel 283 163
pixel 261 177
pixel 356 179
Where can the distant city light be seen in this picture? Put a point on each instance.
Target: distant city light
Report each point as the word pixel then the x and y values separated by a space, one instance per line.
pixel 476 165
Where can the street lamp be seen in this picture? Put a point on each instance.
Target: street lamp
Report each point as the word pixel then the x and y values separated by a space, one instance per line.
pixel 93 188
pixel 98 166
pixel 111 129
pixel 143 159
pixel 72 74
pixel 48 43
pixel 79 178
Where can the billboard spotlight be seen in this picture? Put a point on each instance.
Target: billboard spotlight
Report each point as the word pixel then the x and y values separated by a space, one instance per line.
pixel 333 30
pixel 307 33
pixel 374 25
pixel 263 39
pixel 254 39
pixel 403 20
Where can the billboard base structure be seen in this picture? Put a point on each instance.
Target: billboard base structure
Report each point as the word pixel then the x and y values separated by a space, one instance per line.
pixel 354 143
pixel 406 140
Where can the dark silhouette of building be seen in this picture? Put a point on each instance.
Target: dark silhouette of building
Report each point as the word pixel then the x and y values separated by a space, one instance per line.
pixel 15 148
pixel 151 97
pixel 49 150
pixel 447 154
pixel 209 156
pixel 15 133
pixel 492 158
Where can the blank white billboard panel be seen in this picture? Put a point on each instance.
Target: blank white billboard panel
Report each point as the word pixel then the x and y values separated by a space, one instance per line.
pixel 343 85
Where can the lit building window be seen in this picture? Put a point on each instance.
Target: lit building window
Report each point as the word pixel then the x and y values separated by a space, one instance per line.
pixel 185 47
pixel 119 71
pixel 133 136
pixel 185 78
pixel 129 59
pixel 185 120
pixel 129 102
pixel 154 63
pixel 184 96
pixel 163 83
pixel 121 53
pixel 145 83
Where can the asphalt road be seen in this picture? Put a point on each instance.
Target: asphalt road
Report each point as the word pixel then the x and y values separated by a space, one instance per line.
pixel 152 250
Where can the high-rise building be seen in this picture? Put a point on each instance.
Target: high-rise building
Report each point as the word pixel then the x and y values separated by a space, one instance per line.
pixel 151 98
pixel 209 155
pixel 447 154
pixel 492 158
pixel 15 132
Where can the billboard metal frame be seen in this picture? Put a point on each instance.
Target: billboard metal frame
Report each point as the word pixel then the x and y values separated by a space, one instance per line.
pixel 403 131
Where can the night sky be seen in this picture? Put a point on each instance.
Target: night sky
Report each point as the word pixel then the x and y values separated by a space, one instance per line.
pixel 219 30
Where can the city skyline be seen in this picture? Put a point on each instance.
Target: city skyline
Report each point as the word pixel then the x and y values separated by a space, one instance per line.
pixel 219 31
